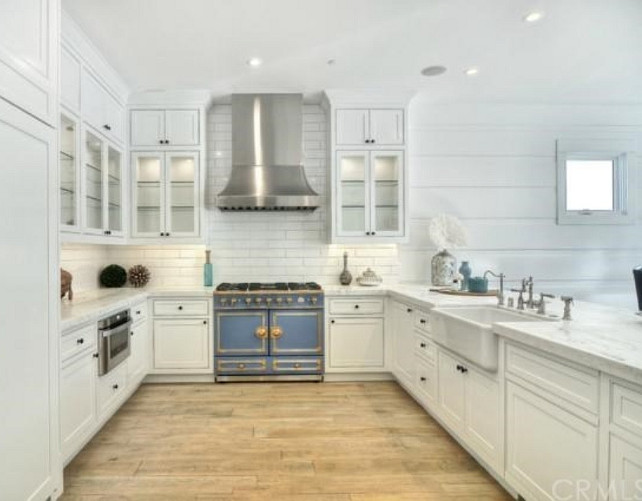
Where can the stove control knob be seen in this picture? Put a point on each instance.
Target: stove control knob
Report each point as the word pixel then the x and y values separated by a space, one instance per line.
pixel 314 300
pixel 268 300
pixel 258 300
pixel 223 302
pixel 279 300
pixel 233 301
pixel 248 300
pixel 289 300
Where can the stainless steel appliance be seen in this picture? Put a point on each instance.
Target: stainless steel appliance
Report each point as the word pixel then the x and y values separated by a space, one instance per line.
pixel 267 155
pixel 268 332
pixel 113 341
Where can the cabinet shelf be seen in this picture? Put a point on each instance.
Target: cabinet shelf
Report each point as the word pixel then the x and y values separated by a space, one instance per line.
pixel 66 156
pixel 353 206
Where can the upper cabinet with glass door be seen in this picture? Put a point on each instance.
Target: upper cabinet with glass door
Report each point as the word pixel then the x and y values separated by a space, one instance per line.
pixel 166 194
pixel 69 175
pixel 367 151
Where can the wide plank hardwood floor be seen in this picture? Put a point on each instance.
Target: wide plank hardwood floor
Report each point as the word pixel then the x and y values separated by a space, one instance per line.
pixel 281 442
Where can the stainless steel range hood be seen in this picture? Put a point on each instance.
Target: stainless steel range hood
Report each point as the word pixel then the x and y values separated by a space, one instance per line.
pixel 267 151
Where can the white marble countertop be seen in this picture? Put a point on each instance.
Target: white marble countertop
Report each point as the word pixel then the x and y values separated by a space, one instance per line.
pixel 602 337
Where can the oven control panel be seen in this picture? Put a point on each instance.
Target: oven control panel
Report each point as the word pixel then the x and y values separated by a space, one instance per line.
pixel 234 301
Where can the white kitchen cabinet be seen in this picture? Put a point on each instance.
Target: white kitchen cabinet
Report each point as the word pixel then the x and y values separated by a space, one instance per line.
pixel 69 176
pixel 547 446
pixel 469 403
pixel 403 339
pixel 102 187
pixel 356 344
pixel 359 127
pixel 70 68
pixel 171 127
pixel 139 358
pixel 625 466
pixel 182 343
pixel 29 43
pixel 100 109
pixel 166 194
pixel 29 363
pixel 369 195
pixel 77 402
pixel 111 391
pixel 425 381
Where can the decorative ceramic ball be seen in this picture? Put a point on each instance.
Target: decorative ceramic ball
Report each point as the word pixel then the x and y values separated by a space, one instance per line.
pixel 113 276
pixel 139 275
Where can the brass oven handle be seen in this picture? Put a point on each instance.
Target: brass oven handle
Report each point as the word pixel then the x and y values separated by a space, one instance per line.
pixel 261 332
pixel 276 332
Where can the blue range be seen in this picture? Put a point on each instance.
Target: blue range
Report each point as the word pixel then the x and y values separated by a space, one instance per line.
pixel 268 332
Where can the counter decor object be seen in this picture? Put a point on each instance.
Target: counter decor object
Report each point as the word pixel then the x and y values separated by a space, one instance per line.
pixel 465 272
pixel 478 284
pixel 208 272
pixel 446 232
pixel 139 275
pixel 369 278
pixel 346 277
pixel 113 276
pixel 65 284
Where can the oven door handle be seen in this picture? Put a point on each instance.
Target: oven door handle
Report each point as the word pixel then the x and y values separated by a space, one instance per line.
pixel 116 330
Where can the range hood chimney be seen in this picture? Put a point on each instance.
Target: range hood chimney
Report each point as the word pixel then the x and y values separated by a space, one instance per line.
pixel 267 151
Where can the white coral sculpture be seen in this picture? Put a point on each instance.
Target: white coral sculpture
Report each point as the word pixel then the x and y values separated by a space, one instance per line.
pixel 447 232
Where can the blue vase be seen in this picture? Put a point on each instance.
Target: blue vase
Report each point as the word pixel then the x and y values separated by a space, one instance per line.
pixel 465 271
pixel 208 272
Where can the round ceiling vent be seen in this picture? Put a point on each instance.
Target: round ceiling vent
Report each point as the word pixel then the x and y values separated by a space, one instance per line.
pixel 433 71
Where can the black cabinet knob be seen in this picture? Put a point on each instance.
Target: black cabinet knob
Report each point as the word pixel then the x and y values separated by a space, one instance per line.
pixel 372 141
pixel 166 234
pixel 356 306
pixel 422 378
pixel 166 141
pixel 80 341
pixel 423 345
pixel 115 387
pixel 204 322
pixel 409 310
pixel 160 141
pixel 464 370
pixel 95 355
pixel 373 233
pixel 331 321
pixel 180 307
pixel 137 312
pixel 107 127
pixel 422 321
pixel 131 333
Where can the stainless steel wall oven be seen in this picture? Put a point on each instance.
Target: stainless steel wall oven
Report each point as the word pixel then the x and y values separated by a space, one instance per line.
pixel 113 341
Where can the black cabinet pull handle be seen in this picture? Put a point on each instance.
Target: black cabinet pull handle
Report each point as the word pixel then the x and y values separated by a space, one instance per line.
pixel 95 355
pixel 107 126
pixel 422 321
pixel 408 310
pixel 422 378
pixel 464 370
pixel 115 387
pixel 423 345
pixel 80 341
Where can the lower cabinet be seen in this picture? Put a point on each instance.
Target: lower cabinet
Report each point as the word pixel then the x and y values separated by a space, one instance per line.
pixel 425 381
pixel 625 466
pixel 110 388
pixel 550 451
pixel 403 336
pixel 468 401
pixel 356 343
pixel 138 363
pixel 77 403
pixel 182 343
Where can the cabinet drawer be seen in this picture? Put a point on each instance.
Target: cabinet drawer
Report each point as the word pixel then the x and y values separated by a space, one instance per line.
pixel 356 306
pixel 426 380
pixel 178 308
pixel 139 312
pixel 626 407
pixel 424 348
pixel 297 364
pixel 577 385
pixel 78 341
pixel 111 387
pixel 421 321
pixel 241 365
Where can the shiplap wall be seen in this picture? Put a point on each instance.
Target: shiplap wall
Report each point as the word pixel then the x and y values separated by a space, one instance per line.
pixel 494 167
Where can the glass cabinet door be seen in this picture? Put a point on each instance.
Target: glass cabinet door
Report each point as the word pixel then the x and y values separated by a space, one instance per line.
pixel 149 198
pixel 387 193
pixel 114 190
pixel 93 182
pixel 182 194
pixel 352 193
pixel 68 173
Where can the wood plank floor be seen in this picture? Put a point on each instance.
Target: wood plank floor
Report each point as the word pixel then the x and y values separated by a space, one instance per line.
pixel 284 441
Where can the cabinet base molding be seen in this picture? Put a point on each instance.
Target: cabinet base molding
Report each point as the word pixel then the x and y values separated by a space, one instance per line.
pixel 178 378
pixel 335 377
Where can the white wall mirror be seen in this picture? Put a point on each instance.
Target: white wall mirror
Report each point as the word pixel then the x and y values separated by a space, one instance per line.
pixel 595 181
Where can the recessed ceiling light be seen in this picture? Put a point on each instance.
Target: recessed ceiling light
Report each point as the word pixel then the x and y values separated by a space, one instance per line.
pixel 254 62
pixel 433 71
pixel 533 17
pixel 471 72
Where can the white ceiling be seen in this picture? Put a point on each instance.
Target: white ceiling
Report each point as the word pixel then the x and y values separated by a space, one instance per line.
pixel 582 50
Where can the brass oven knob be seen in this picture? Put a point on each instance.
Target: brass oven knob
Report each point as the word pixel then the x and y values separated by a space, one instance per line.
pixel 268 300
pixel 240 366
pixel 279 300
pixel 248 300
pixel 289 300
pixel 276 332
pixel 233 301
pixel 261 332
pixel 297 365
pixel 258 300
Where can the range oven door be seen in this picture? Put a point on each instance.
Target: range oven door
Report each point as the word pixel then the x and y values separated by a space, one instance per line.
pixel 241 333
pixel 296 332
pixel 114 347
